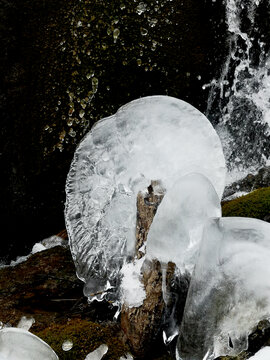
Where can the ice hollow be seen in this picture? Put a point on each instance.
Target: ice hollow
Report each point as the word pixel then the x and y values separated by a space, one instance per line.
pixel 20 344
pixel 153 138
pixel 176 231
pixel 229 291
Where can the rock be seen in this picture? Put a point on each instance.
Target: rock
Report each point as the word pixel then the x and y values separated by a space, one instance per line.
pixel 143 325
pixel 249 183
pixel 46 288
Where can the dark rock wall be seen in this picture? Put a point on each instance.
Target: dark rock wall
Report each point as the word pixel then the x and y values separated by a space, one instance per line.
pixel 64 65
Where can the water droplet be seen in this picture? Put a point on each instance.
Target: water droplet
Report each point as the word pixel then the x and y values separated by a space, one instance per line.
pixel 116 33
pixel 79 24
pixel 81 113
pixel 72 132
pixel 141 8
pixel 62 135
pixel 139 62
pixel 152 22
pixel 122 6
pixel 144 31
pixel 70 122
pixel 67 345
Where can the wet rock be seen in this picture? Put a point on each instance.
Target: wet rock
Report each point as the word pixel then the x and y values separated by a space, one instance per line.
pixel 249 183
pixel 46 288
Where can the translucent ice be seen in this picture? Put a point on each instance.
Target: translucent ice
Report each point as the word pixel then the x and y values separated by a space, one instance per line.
pixel 230 291
pixel 19 344
pixel 98 353
pixel 152 138
pixel 177 227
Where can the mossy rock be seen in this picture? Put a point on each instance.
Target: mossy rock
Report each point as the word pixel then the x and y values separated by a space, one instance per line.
pixel 86 337
pixel 254 205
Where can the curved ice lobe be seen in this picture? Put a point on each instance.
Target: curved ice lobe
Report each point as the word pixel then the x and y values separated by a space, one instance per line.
pixel 20 344
pixel 152 138
pixel 177 228
pixel 229 291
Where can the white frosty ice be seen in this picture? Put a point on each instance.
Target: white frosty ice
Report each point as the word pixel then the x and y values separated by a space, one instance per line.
pixel 263 354
pixel 152 138
pixel 132 289
pixel 19 344
pixel 230 289
pixel 176 231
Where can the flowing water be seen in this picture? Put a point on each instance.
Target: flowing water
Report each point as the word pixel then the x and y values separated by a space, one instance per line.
pixel 239 100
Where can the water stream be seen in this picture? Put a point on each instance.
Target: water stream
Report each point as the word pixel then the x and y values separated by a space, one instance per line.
pixel 239 100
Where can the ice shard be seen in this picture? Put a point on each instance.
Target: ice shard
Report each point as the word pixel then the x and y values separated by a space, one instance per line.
pixel 229 291
pixel 153 138
pixel 177 228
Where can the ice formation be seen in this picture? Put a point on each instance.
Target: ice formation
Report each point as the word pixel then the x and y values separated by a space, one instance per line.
pixel 263 354
pixel 26 323
pixel 229 292
pixel 177 227
pixel 98 353
pixel 19 344
pixel 152 138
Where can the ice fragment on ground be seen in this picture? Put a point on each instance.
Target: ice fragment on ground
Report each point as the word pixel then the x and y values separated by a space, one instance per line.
pixel 229 291
pixel 25 323
pixel 67 345
pixel 152 138
pixel 263 354
pixel 126 357
pixel 98 353
pixel 19 344
pixel 177 227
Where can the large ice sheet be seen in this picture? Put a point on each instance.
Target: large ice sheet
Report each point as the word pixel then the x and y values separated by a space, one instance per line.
pixel 176 231
pixel 152 138
pixel 20 344
pixel 230 289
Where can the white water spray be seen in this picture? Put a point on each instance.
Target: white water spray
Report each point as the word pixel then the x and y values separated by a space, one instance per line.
pixel 242 92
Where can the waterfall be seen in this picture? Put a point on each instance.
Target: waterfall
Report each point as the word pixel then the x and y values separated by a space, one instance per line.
pixel 239 101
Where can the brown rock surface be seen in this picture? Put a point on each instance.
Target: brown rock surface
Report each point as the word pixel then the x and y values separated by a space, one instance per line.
pixel 45 287
pixel 142 325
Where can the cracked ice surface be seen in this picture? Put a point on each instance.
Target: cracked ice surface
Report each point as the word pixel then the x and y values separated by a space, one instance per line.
pixel 229 291
pixel 152 138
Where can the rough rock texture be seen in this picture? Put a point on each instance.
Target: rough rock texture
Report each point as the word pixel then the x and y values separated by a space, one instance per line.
pixel 143 325
pixel 259 338
pixel 250 182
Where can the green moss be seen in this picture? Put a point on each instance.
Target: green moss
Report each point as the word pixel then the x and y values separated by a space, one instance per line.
pixel 253 205
pixel 86 337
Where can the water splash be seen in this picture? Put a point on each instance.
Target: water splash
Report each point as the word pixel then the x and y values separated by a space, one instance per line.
pixel 239 101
